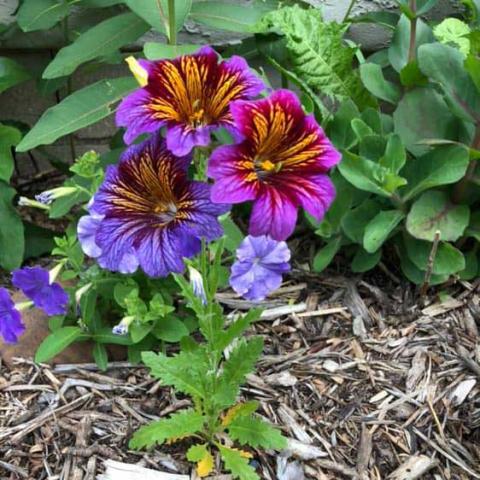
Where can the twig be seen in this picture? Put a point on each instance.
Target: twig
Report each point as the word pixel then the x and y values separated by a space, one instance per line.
pixel 430 264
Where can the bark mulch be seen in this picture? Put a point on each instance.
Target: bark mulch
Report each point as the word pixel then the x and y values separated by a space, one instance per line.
pixel 367 380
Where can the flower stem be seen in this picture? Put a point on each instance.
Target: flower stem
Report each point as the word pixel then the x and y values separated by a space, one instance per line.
pixel 349 10
pixel 172 28
pixel 460 190
pixel 412 50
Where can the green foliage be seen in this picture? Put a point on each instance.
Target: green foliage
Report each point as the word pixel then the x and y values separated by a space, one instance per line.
pixel 252 430
pixel 236 461
pixel 58 341
pixel 11 73
pixel 317 53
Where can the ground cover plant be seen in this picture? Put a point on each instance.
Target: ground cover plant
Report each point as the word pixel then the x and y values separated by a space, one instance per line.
pixel 207 145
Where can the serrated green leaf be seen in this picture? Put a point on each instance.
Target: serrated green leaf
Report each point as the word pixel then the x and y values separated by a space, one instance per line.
pixel 185 371
pixel 178 425
pixel 237 328
pixel 155 12
pixel 318 53
pixel 434 212
pixel 12 241
pixel 11 73
pixel 82 108
pixel 379 229
pixel 237 464
pixel 99 41
pixel 57 341
pixel 252 430
pixel 239 410
pixel 41 14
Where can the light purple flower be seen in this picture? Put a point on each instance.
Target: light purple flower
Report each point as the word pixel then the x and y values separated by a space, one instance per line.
pixel 190 95
pixel 151 209
pixel 261 262
pixel 11 326
pixel 35 283
pixel 87 229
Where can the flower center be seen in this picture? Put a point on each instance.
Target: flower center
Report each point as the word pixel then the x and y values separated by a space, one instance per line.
pixel 264 168
pixel 165 212
pixel 197 117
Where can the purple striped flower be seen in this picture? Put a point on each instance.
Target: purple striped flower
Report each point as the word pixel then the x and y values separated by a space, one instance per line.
pixel 261 263
pixel 190 95
pixel 151 210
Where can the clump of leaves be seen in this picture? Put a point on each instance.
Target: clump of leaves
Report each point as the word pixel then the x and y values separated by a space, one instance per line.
pixel 212 379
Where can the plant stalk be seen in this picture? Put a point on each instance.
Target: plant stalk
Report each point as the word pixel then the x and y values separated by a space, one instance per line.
pixel 460 189
pixel 172 28
pixel 349 10
pixel 412 50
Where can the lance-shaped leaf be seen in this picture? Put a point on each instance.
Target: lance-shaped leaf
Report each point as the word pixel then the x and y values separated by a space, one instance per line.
pixel 99 41
pixel 9 137
pixel 159 51
pixel 82 108
pixel 41 14
pixel 379 229
pixel 57 342
pixel 178 425
pixel 12 241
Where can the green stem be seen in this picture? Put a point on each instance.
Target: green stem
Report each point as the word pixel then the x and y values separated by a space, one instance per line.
pixel 172 26
pixel 460 190
pixel 412 50
pixel 349 10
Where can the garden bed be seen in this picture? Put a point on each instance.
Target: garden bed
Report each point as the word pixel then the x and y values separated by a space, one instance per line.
pixel 366 382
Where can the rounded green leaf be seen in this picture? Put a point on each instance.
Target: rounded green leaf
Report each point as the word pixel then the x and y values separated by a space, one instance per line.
pixel 364 261
pixel 379 228
pixel 325 255
pixel 434 212
pixel 170 329
pixel 374 81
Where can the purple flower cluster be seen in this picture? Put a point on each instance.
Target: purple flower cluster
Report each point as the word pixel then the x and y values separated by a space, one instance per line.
pixel 149 214
pixel 43 293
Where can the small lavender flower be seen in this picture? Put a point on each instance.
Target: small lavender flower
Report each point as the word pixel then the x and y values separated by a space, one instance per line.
pixel 196 281
pixel 36 284
pixel 48 196
pixel 11 326
pixel 123 326
pixel 261 262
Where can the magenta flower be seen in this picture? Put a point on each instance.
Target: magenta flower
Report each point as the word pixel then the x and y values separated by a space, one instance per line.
pixel 151 210
pixel 280 164
pixel 35 283
pixel 11 326
pixel 261 262
pixel 190 95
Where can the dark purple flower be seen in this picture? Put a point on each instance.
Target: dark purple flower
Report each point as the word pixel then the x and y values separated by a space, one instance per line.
pixel 35 283
pixel 151 209
pixel 261 262
pixel 11 326
pixel 190 95
pixel 281 164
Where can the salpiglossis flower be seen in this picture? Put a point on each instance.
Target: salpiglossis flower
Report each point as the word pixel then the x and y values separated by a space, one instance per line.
pixel 11 326
pixel 280 164
pixel 190 95
pixel 151 210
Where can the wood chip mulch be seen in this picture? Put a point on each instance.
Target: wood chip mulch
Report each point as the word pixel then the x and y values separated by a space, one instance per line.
pixel 366 382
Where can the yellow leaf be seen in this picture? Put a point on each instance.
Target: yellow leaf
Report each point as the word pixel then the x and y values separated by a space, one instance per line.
pixel 239 409
pixel 205 465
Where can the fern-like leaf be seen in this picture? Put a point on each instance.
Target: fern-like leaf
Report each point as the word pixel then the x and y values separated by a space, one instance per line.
pixel 178 425
pixel 318 53
pixel 236 461
pixel 252 430
pixel 185 371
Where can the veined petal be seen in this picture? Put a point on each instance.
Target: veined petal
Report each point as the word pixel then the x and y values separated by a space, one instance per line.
pixel 190 95
pixel 273 214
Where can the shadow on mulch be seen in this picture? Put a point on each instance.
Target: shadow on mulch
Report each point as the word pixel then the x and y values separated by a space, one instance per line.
pixel 365 383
